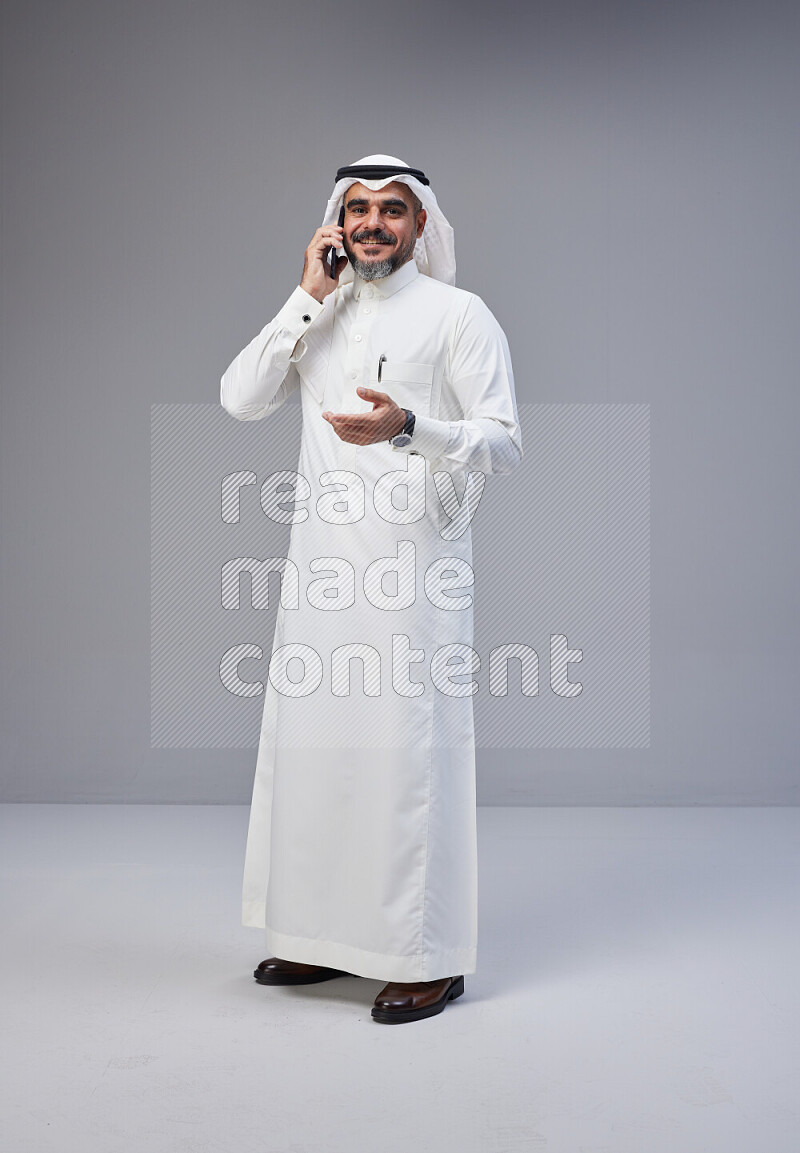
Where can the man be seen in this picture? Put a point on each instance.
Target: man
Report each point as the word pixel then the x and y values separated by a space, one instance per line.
pixel 361 852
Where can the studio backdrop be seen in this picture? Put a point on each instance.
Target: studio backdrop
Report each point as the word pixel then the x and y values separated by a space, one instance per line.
pixel 622 183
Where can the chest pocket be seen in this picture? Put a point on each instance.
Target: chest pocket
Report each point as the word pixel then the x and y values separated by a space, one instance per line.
pixel 408 384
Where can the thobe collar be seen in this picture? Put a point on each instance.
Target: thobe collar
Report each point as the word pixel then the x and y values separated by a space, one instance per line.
pixel 391 283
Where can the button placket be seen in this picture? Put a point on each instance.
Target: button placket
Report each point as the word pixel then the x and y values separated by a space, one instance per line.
pixel 358 345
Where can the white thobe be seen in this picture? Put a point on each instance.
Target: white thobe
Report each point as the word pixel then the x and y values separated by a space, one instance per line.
pixel 361 849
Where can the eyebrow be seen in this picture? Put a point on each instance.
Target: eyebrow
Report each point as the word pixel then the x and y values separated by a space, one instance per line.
pixel 388 202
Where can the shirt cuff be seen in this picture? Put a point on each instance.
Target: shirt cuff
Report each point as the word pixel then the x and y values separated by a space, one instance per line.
pixel 299 311
pixel 430 437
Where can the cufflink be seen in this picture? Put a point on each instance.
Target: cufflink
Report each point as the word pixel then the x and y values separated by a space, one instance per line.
pixel 306 318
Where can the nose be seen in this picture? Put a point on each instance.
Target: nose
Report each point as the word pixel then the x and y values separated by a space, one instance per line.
pixel 374 217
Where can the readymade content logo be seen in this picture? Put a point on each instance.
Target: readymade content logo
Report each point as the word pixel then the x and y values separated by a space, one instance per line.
pixel 288 497
pixel 528 593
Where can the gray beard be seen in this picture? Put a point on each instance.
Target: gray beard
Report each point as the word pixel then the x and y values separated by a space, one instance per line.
pixel 378 270
pixel 374 270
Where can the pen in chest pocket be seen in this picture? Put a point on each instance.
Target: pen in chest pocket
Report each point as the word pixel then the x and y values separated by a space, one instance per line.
pixel 381 359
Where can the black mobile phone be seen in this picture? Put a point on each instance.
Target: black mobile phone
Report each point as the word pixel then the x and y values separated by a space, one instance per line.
pixel 332 251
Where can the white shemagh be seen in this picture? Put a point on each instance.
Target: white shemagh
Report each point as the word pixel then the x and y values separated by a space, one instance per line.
pixel 434 251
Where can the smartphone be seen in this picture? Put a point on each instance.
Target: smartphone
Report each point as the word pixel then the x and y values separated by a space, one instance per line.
pixel 332 251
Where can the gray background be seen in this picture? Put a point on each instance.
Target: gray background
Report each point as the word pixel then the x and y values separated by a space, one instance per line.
pixel 623 183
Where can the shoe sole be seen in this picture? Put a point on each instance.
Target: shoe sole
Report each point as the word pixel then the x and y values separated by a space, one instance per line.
pixel 387 1017
pixel 299 978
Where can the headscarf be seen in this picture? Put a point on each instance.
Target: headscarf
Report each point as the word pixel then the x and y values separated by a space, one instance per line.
pixel 434 251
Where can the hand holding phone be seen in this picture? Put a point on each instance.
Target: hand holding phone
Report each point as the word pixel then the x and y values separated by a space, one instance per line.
pixel 321 266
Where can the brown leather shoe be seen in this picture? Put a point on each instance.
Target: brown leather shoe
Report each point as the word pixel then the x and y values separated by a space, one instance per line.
pixel 276 971
pixel 410 1001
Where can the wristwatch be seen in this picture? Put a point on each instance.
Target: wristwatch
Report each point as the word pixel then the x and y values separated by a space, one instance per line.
pixel 403 437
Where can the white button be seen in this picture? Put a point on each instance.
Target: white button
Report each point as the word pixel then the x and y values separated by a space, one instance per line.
pixel 367 311
pixel 358 339
pixel 353 375
pixel 368 294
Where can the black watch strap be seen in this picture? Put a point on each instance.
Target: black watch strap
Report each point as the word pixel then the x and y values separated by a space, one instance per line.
pixel 408 427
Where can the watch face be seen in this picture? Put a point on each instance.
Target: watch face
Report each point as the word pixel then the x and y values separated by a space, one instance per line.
pixel 401 439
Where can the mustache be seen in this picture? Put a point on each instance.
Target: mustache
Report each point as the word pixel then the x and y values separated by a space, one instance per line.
pixel 374 237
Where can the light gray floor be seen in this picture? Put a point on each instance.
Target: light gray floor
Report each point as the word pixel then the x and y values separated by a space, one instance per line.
pixel 637 992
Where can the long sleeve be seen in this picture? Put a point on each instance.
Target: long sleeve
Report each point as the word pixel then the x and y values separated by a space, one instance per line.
pixel 480 377
pixel 263 374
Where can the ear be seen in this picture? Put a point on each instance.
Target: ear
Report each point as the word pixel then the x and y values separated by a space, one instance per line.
pixel 421 219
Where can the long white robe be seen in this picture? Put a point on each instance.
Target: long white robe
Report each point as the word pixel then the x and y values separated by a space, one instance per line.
pixel 361 849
